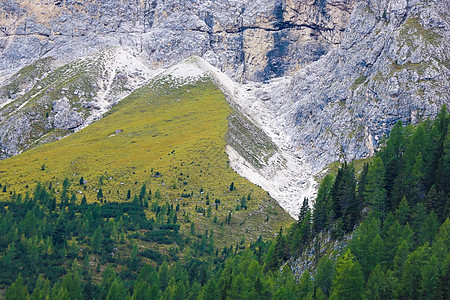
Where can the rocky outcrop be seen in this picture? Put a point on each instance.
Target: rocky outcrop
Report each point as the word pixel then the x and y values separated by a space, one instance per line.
pixel 64 116
pixel 392 65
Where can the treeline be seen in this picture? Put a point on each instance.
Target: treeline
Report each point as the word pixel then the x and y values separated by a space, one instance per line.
pixel 392 218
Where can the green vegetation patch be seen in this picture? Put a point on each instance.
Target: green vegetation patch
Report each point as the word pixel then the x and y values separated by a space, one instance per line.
pixel 249 140
pixel 413 29
pixel 360 80
pixel 26 76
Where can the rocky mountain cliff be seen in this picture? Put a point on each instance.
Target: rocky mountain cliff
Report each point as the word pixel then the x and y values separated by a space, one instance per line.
pixel 323 80
pixel 253 40
pixel 392 64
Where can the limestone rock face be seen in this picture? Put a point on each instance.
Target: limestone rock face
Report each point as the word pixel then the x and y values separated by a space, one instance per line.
pixel 392 65
pixel 255 40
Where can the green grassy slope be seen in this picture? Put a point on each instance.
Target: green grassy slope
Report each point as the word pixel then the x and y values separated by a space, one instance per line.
pixel 172 140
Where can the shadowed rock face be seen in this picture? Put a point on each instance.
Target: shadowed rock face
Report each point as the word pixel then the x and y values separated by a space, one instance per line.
pixel 254 40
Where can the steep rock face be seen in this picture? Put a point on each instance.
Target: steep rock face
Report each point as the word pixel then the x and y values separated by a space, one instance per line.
pixel 253 40
pixel 393 64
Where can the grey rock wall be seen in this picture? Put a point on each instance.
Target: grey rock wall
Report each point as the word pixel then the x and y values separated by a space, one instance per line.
pixel 392 64
pixel 254 40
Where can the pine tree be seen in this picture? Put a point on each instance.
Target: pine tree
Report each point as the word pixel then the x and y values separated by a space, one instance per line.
pixel 430 278
pixel 306 285
pixel 376 285
pixel 192 228
pixel 443 173
pixel 143 192
pixel 429 229
pixel 59 233
pixel 17 291
pixel 402 212
pixel 417 219
pixel 375 194
pixel 141 291
pixel 66 183
pixel 433 203
pixel 100 195
pixel 363 237
pixel 117 291
pixel 349 280
pixel 239 287
pixel 42 289
pixel 324 275
pixel 323 205
pixel 343 194
pixel 411 275
pixel 163 276
pixel 209 291
pixel 73 198
pixel 64 197
pixel 72 283
pixel 97 239
pixel 391 154
pixel 377 254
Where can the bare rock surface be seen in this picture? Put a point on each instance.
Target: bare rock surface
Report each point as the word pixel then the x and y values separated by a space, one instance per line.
pixel 253 40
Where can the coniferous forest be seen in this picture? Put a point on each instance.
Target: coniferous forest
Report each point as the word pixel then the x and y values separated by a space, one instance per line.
pixel 389 223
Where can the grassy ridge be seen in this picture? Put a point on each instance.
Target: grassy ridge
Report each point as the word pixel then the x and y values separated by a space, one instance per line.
pixel 170 138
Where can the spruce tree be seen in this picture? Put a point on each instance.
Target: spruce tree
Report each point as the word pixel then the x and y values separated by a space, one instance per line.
pixel 376 285
pixel 163 276
pixel 304 210
pixel 375 194
pixel 143 192
pixel 324 276
pixel 323 205
pixel 117 291
pixel 100 195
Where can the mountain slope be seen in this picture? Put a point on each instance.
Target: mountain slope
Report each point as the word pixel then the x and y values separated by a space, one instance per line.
pixel 168 135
